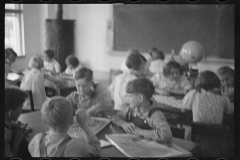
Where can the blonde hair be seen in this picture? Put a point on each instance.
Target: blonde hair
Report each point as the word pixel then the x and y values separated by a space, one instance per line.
pixel 35 62
pixel 57 113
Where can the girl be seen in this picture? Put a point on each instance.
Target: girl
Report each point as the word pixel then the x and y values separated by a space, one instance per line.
pixel 34 80
pixel 90 96
pixel 14 134
pixel 171 80
pixel 157 61
pixel 206 101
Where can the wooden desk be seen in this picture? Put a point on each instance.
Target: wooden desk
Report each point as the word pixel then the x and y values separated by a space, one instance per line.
pixel 35 122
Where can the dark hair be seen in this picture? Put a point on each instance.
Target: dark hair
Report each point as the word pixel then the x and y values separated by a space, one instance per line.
pixel 84 73
pixel 135 60
pixel 14 97
pixel 72 60
pixel 170 65
pixel 160 54
pixel 134 51
pixel 226 70
pixel 9 51
pixel 207 80
pixel 49 53
pixel 141 85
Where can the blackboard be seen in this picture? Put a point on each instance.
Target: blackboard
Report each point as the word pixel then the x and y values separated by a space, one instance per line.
pixel 168 27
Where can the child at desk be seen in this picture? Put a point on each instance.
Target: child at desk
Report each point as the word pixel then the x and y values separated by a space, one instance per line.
pixel 34 80
pixel 73 65
pixel 226 76
pixel 157 61
pixel 14 134
pixel 57 115
pixel 136 64
pixel 171 81
pixel 142 117
pixel 205 101
pixel 10 57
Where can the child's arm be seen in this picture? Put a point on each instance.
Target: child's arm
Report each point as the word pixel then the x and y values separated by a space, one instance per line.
pixel 176 91
pixel 160 132
pixel 51 78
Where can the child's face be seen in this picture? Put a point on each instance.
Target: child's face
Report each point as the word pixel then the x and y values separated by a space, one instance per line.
pixel 15 113
pixel 134 100
pixel 226 80
pixel 174 74
pixel 10 59
pixel 83 86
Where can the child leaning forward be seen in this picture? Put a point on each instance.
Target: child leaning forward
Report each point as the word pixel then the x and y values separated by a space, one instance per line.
pixel 142 117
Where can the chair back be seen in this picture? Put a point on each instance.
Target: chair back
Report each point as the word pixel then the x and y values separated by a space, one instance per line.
pixel 31 99
pixel 214 140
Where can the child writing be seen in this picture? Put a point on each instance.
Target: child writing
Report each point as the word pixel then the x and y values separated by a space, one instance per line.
pixel 57 116
pixel 226 76
pixel 14 134
pixel 34 80
pixel 205 101
pixel 142 117
pixel 171 80
pixel 90 96
pixel 157 61
pixel 136 64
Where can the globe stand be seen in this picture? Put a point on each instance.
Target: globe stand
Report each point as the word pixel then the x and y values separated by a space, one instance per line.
pixel 192 73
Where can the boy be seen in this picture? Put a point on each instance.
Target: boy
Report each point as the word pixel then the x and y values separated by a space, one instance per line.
pixel 226 76
pixel 136 64
pixel 142 117
pixel 57 115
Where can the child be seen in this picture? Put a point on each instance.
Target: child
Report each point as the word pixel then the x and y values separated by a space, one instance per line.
pixel 142 117
pixel 205 101
pixel 123 67
pixel 136 64
pixel 10 57
pixel 34 80
pixel 57 116
pixel 171 80
pixel 157 61
pixel 50 64
pixel 72 66
pixel 90 96
pixel 226 76
pixel 14 134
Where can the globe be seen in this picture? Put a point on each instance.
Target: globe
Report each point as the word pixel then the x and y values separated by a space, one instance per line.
pixel 192 52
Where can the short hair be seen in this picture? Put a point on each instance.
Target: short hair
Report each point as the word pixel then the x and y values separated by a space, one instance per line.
pixel 226 70
pixel 72 60
pixel 14 97
pixel 160 54
pixel 135 60
pixel 9 51
pixel 141 86
pixel 35 62
pixel 170 65
pixel 49 53
pixel 57 113
pixel 207 80
pixel 84 73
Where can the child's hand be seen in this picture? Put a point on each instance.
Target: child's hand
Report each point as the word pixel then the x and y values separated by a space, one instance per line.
pixel 128 127
pixel 136 130
pixel 81 117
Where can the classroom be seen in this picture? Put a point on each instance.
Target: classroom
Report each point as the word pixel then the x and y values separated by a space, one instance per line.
pixel 119 80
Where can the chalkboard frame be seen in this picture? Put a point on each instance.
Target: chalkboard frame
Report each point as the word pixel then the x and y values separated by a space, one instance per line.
pixel 111 51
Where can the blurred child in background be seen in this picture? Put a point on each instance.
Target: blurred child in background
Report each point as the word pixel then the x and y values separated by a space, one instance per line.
pixel 157 61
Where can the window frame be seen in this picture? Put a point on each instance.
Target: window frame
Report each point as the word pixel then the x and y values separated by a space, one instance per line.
pixel 19 12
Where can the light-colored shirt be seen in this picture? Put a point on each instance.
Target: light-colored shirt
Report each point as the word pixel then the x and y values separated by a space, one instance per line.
pixel 71 72
pixel 118 92
pixel 161 82
pixel 156 66
pixel 207 107
pixel 160 132
pixel 52 66
pixel 75 147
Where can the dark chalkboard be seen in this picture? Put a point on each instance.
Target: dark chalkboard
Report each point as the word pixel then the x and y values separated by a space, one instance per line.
pixel 168 27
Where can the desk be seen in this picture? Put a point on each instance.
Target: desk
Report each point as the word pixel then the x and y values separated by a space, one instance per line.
pixel 35 122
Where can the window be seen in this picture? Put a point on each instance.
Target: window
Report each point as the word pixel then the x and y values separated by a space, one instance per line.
pixel 14 28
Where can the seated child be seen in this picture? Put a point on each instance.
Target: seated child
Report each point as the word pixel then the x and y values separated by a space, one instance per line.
pixel 72 66
pixel 226 76
pixel 10 57
pixel 57 116
pixel 157 61
pixel 34 80
pixel 89 96
pixel 143 117
pixel 136 64
pixel 14 134
pixel 205 101
pixel 123 67
pixel 171 81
